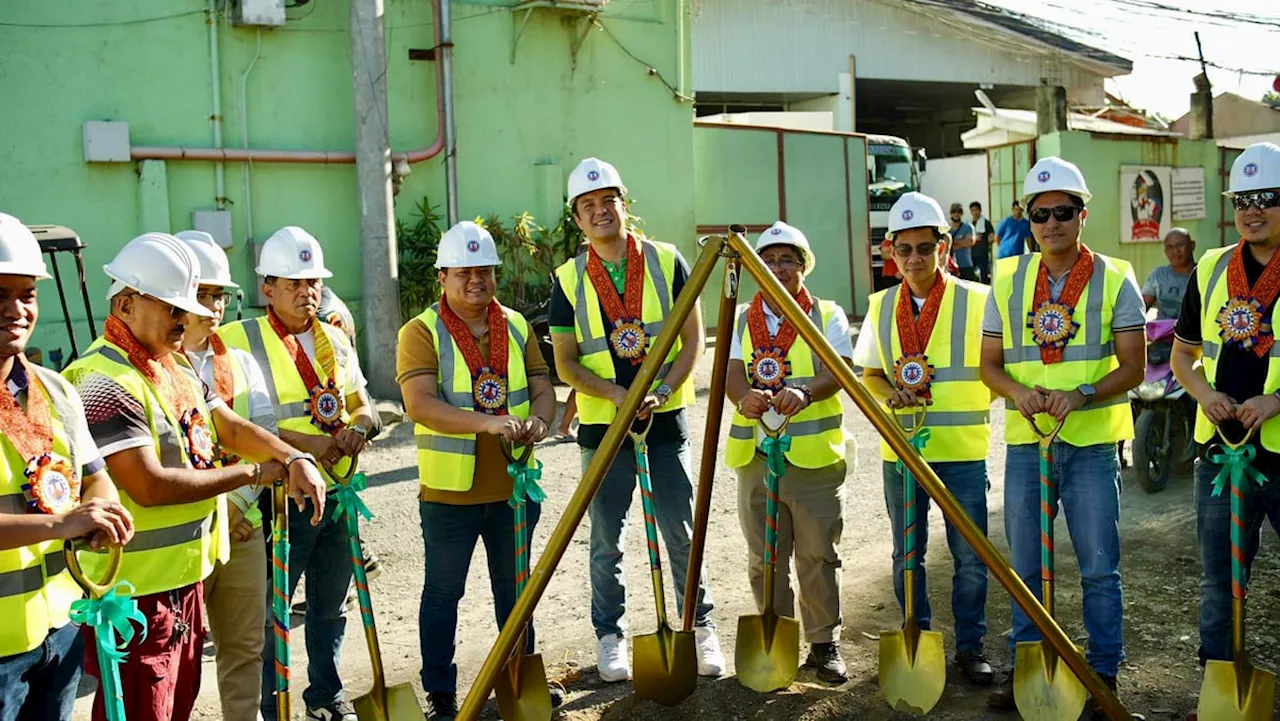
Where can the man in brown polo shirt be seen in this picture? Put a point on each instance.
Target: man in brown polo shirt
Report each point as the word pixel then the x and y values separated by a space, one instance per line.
pixel 470 371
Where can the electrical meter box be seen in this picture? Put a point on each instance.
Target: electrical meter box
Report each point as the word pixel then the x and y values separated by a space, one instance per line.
pixel 260 13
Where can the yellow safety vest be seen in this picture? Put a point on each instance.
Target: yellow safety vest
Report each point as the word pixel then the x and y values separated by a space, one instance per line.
pixel 447 461
pixel 36 591
pixel 177 545
pixel 959 421
pixel 817 432
pixel 240 405
pixel 1087 358
pixel 1214 294
pixel 290 397
pixel 589 326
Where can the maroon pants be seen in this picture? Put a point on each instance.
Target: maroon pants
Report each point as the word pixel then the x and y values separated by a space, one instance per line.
pixel 160 676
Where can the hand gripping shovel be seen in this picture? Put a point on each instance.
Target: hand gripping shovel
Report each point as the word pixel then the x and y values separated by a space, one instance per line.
pixel 767 652
pixel 666 661
pixel 109 610
pixel 913 664
pixel 1043 688
pixel 1234 690
pixel 521 687
pixel 280 596
pixel 397 703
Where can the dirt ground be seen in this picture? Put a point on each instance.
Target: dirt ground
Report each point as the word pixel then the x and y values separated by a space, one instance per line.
pixel 1160 566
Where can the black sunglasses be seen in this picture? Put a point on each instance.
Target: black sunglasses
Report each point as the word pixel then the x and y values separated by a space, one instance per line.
pixel 1260 199
pixel 1060 213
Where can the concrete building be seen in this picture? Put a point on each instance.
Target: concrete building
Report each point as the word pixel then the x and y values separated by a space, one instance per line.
pixel 1237 120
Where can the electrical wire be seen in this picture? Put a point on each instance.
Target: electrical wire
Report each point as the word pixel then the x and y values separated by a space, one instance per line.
pixel 103 24
pixel 675 92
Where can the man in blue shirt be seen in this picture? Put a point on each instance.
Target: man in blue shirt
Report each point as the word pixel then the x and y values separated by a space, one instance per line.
pixel 962 243
pixel 1013 231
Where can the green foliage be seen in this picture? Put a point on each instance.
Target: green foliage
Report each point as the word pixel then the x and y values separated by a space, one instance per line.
pixel 416 244
pixel 1272 98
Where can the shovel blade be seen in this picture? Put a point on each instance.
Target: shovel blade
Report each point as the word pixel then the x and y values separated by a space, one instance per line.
pixel 1236 692
pixel 522 692
pixel 400 704
pixel 1044 688
pixel 912 682
pixel 767 653
pixel 666 666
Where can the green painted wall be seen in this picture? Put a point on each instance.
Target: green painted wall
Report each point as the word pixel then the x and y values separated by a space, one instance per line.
pixel 520 126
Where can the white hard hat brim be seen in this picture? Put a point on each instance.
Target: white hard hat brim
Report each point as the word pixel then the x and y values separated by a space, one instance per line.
pixel 891 234
pixel 313 274
pixel 622 190
pixel 190 305
pixel 810 260
pixel 221 283
pixel 25 269
pixel 1084 196
pixel 478 264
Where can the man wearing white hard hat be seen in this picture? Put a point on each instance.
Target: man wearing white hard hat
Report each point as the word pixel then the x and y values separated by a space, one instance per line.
pixel 317 392
pixel 607 306
pixel 162 432
pixel 233 593
pixel 1223 326
pixel 917 349
pixel 53 487
pixel 1063 343
pixel 472 375
pixel 774 375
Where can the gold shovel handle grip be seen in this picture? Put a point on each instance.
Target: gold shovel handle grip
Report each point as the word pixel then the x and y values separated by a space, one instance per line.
pixel 775 432
pixel 1047 437
pixel 1227 441
pixel 917 416
pixel 509 452
pixel 110 575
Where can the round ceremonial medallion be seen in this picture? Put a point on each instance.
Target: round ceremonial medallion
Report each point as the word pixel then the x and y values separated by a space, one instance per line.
pixel 628 339
pixel 1051 325
pixel 326 407
pixel 199 439
pixel 52 486
pixel 1241 322
pixel 490 391
pixel 768 368
pixel 913 373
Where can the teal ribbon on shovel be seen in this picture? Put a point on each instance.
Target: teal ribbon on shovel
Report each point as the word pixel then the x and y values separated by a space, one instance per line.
pixel 918 442
pixel 348 497
pixel 1237 464
pixel 524 483
pixel 109 616
pixel 775 454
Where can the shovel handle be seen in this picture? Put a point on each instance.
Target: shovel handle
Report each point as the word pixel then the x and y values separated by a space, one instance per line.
pixel 1048 511
pixel 916 415
pixel 366 604
pixel 280 595
pixel 93 588
pixel 646 502
pixel 508 451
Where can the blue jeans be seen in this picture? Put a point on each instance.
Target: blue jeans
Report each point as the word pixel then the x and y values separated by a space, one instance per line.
pixel 1213 526
pixel 610 509
pixel 967 481
pixel 449 535
pixel 1088 482
pixel 324 553
pixel 40 685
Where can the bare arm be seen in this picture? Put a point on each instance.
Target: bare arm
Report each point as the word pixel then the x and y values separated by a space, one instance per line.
pixel 150 484
pixel 996 378
pixel 579 378
pixel 878 383
pixel 965 242
pixel 542 397
pixel 1217 406
pixel 1131 352
pixel 824 384
pixel 424 406
pixel 736 386
pixel 100 514
pixel 1148 300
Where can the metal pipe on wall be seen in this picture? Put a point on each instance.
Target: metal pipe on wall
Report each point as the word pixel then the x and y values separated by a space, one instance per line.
pixel 444 35
pixel 215 115
pixel 245 187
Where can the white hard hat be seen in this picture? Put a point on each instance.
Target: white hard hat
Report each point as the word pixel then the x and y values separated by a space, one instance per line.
pixel 466 245
pixel 292 253
pixel 1054 173
pixel 593 174
pixel 161 266
pixel 782 234
pixel 1257 168
pixel 19 250
pixel 214 268
pixel 916 210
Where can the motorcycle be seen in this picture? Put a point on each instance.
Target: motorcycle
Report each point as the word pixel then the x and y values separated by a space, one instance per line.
pixel 1164 414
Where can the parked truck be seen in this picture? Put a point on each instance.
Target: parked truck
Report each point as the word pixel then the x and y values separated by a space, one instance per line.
pixel 892 169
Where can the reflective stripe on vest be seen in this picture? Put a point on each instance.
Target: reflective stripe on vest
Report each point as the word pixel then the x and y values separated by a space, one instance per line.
pixel 240 405
pixel 35 591
pixel 177 545
pixel 817 432
pixel 1214 294
pixel 290 399
pixel 959 420
pixel 1088 357
pixel 594 351
pixel 447 462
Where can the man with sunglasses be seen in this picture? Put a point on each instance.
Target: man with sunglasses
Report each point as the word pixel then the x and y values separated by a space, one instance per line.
pixel 773 375
pixel 1063 338
pixel 1223 325
pixel 916 350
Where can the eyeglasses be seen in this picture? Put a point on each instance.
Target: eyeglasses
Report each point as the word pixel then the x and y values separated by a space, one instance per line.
pixel 213 297
pixel 924 250
pixel 175 313
pixel 788 265
pixel 1260 199
pixel 1061 213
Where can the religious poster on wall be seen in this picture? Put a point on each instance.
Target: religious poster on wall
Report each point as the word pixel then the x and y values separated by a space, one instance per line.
pixel 1145 194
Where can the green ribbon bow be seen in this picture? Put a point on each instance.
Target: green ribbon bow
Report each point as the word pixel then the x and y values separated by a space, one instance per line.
pixel 1237 463
pixel 524 483
pixel 113 614
pixel 774 450
pixel 349 501
pixel 918 442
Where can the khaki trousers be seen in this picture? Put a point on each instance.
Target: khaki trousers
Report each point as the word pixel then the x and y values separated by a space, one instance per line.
pixel 810 521
pixel 234 603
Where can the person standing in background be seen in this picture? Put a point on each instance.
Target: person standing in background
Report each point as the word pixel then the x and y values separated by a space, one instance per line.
pixel 1167 284
pixel 962 243
pixel 1014 232
pixel 983 236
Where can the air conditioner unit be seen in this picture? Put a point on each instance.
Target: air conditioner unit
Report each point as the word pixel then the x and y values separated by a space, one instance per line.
pixel 258 13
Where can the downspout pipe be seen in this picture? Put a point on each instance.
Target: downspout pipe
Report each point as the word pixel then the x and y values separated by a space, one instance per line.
pixel 444 105
pixel 215 116
pixel 444 40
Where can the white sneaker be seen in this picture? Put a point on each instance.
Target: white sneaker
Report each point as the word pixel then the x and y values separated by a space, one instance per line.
pixel 710 657
pixel 612 660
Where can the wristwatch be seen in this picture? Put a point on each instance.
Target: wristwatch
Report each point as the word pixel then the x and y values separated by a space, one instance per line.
pixel 299 456
pixel 359 428
pixel 1087 391
pixel 808 394
pixel 664 391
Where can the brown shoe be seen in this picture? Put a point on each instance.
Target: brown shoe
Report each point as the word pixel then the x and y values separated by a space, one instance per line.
pixel 1002 697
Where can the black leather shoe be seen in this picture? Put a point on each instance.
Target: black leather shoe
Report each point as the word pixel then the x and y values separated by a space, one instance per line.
pixel 1093 710
pixel 557 695
pixel 825 657
pixel 976 668
pixel 1002 697
pixel 442 706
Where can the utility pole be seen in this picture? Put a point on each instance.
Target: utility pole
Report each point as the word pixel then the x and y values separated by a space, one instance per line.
pixel 381 297
pixel 1206 88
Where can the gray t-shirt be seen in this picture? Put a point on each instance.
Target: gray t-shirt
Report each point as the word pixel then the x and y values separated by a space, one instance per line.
pixel 1167 287
pixel 1129 312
